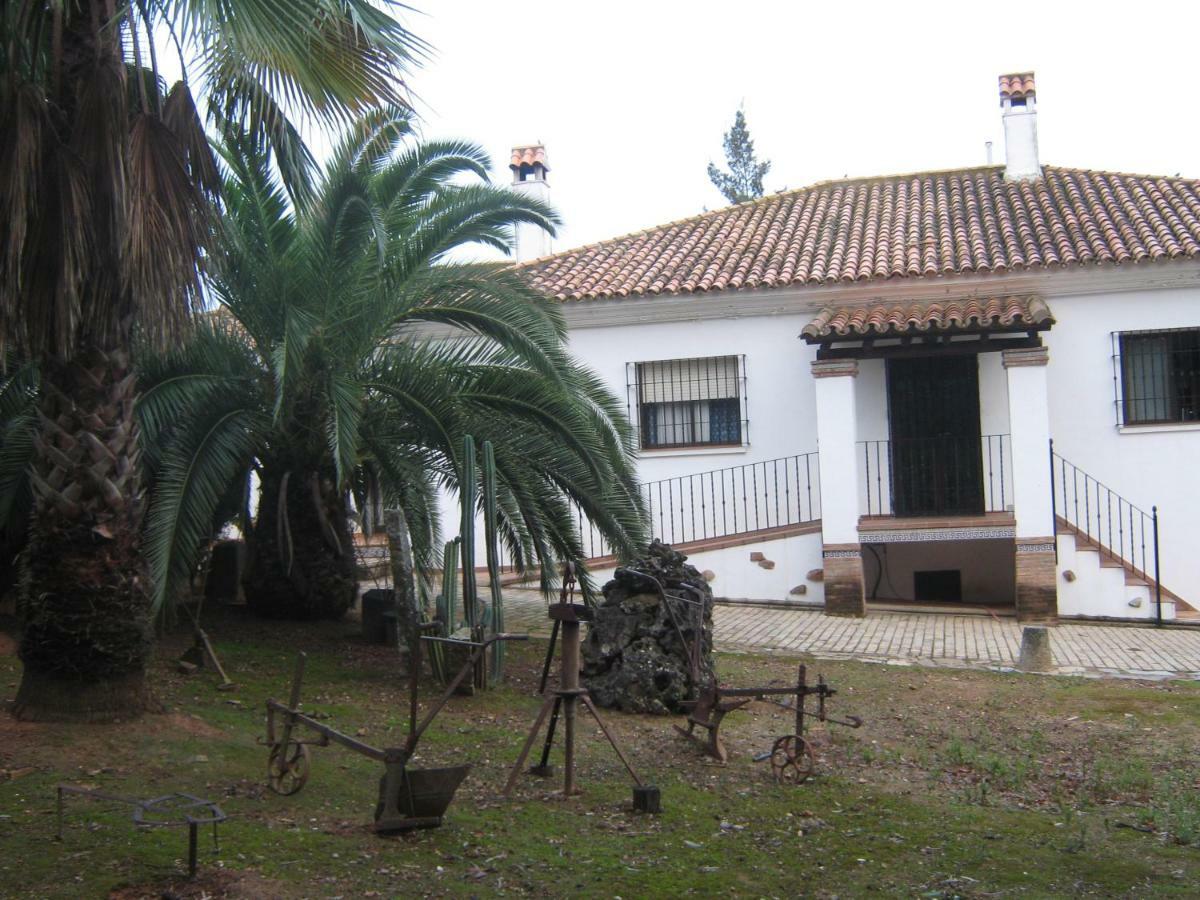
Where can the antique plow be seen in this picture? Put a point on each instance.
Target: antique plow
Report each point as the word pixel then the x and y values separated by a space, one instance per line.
pixel 408 798
pixel 791 755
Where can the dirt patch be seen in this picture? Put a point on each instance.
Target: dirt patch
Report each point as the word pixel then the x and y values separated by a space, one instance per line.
pixel 207 885
pixel 16 736
pixel 8 644
pixel 193 725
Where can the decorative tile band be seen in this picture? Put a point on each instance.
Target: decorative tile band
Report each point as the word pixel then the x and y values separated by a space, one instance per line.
pixel 914 535
pixel 842 554
pixel 1035 548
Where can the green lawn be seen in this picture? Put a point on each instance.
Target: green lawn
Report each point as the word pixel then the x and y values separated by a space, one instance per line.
pixel 959 784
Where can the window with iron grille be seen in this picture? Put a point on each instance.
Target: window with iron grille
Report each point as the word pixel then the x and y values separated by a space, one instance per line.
pixel 689 402
pixel 1156 376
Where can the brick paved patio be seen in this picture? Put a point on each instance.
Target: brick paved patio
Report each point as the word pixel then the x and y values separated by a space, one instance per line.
pixel 927 639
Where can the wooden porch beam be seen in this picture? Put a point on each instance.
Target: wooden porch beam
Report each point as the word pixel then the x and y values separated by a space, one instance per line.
pixel 942 348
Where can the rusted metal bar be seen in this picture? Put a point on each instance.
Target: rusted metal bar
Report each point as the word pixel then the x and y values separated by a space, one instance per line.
pixel 330 733
pixel 591 707
pixel 549 657
pixel 570 695
pixel 528 745
pixel 544 768
pixel 467 667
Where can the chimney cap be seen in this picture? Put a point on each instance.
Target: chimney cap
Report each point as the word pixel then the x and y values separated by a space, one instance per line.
pixel 1017 84
pixel 528 155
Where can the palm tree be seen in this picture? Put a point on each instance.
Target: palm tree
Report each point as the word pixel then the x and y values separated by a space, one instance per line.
pixel 107 189
pixel 349 357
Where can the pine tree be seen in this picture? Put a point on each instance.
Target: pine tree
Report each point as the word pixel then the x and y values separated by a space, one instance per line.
pixel 744 180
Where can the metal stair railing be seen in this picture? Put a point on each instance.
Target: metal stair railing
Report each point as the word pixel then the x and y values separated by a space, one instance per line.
pixel 724 502
pixel 1117 528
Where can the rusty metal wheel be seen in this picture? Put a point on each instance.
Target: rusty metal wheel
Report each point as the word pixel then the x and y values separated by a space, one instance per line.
pixel 792 760
pixel 287 768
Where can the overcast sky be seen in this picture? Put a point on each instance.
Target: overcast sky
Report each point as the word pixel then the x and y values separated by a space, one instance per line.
pixel 632 98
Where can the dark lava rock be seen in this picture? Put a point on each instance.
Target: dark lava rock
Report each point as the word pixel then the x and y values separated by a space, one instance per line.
pixel 633 658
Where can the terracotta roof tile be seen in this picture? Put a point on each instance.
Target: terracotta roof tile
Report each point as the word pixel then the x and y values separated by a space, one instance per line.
pixel 1018 84
pixel 907 226
pixel 530 155
pixel 879 319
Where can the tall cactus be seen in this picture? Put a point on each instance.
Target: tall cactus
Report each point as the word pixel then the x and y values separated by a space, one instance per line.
pixel 448 600
pixel 468 488
pixel 447 609
pixel 491 535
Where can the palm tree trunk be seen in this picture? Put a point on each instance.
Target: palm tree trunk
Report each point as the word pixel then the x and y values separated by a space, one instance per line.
pixel 301 562
pixel 87 632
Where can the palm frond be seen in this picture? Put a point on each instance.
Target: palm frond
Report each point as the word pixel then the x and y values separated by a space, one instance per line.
pixel 196 473
pixel 345 422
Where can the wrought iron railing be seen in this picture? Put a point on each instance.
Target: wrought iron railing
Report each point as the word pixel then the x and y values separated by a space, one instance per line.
pixel 1117 528
pixel 936 476
pixel 725 502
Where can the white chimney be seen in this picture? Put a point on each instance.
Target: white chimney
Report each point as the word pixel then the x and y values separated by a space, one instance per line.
pixel 1018 109
pixel 529 170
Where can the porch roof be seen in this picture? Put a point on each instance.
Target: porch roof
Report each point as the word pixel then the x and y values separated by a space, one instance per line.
pixel 966 316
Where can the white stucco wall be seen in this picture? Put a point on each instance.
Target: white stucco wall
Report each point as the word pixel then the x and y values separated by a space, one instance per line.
pixel 1146 466
pixel 1096 590
pixel 779 387
pixel 738 577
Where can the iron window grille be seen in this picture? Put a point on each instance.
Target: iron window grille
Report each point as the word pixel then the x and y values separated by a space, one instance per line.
pixel 699 402
pixel 1156 376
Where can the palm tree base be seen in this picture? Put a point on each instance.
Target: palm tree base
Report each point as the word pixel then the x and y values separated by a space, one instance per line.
pixel 327 593
pixel 304 577
pixel 44 698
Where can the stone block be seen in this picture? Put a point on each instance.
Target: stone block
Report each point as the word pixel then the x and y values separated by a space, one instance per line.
pixel 1035 649
pixel 756 556
pixel 766 563
pixel 799 590
pixel 817 575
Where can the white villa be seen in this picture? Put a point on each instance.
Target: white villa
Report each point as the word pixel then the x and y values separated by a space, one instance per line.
pixel 977 387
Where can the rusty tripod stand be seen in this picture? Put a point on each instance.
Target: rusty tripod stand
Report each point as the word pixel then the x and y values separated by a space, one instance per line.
pixel 567 618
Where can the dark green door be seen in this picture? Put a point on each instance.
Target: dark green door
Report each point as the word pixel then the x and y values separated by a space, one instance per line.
pixel 933 411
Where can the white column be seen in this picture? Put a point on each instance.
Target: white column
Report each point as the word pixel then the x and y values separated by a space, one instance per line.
pixel 837 433
pixel 1029 426
pixel 532 241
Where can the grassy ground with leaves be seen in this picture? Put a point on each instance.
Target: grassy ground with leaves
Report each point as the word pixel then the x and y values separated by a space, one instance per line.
pixel 959 784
